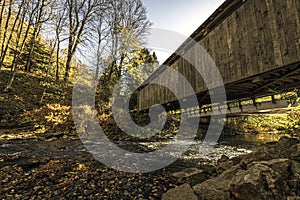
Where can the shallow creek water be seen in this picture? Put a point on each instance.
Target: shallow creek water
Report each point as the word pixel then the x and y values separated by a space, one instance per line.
pixel 230 146
pixel 67 148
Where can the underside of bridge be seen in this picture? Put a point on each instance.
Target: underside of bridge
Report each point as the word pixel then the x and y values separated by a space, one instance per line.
pixel 271 83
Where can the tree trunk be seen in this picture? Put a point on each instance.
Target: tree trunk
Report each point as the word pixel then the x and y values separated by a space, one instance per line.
pixel 68 67
pixel 97 69
pixel 28 62
pixel 11 79
pixel 1 18
pixel 121 66
pixel 4 51
pixel 1 15
pixel 111 70
pixel 57 61
pixel 40 6
pixel 8 17
pixel 17 55
pixel 46 81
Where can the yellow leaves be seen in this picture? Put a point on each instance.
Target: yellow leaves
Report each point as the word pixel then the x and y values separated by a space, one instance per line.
pixel 104 117
pixel 40 129
pixel 58 113
pixel 80 167
pixel 50 117
pixel 57 107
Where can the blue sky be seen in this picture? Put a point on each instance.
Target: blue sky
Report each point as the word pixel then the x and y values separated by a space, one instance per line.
pixel 181 16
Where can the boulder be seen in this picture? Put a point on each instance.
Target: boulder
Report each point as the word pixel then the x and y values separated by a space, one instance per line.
pixel 271 172
pixel 257 180
pixel 187 173
pixel 285 148
pixel 294 180
pixel 181 192
pixel 216 188
pixel 262 180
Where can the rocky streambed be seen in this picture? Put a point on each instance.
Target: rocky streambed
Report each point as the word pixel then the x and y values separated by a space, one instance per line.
pixel 270 172
pixel 60 167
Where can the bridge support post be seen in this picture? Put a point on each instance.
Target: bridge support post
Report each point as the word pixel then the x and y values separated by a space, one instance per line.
pixel 240 106
pixel 273 99
pixel 254 102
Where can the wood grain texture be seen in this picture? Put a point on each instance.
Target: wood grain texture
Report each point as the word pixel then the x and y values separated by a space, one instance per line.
pixel 259 36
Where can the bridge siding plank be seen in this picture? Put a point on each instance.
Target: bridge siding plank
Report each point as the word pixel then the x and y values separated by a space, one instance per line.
pixel 198 61
pixel 291 33
pixel 297 17
pixel 281 29
pixel 259 40
pixel 252 40
pixel 242 40
pixel 239 36
pixel 248 36
pixel 232 27
pixel 181 71
pixel 216 50
pixel 280 46
pixel 192 72
pixel 273 57
pixel 236 55
pixel 213 52
pixel 222 44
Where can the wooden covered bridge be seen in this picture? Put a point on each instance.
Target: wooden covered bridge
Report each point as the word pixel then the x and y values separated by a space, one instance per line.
pixel 255 45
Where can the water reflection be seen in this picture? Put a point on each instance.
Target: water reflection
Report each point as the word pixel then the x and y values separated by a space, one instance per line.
pixel 251 140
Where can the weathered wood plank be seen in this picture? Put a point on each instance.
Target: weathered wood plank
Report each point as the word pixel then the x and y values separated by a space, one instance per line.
pixel 296 9
pixel 277 32
pixel 253 39
pixel 291 33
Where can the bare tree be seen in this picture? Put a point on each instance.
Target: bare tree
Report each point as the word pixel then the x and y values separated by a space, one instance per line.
pixel 9 30
pixel 41 16
pixel 6 27
pixel 80 16
pixel 100 34
pixel 22 37
pixel 128 27
pixel 3 6
pixel 58 31
pixel 57 24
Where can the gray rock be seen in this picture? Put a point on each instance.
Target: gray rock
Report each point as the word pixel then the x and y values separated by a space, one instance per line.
pixel 257 180
pixel 183 192
pixel 262 180
pixel 223 158
pixel 216 188
pixel 293 198
pixel 187 173
pixel 294 181
pixel 271 172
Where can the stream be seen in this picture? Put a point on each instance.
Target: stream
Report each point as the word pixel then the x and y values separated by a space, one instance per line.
pixel 28 150
pixel 229 146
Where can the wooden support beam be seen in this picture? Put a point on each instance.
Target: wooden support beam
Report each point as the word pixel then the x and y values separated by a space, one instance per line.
pixel 260 108
pixel 279 78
